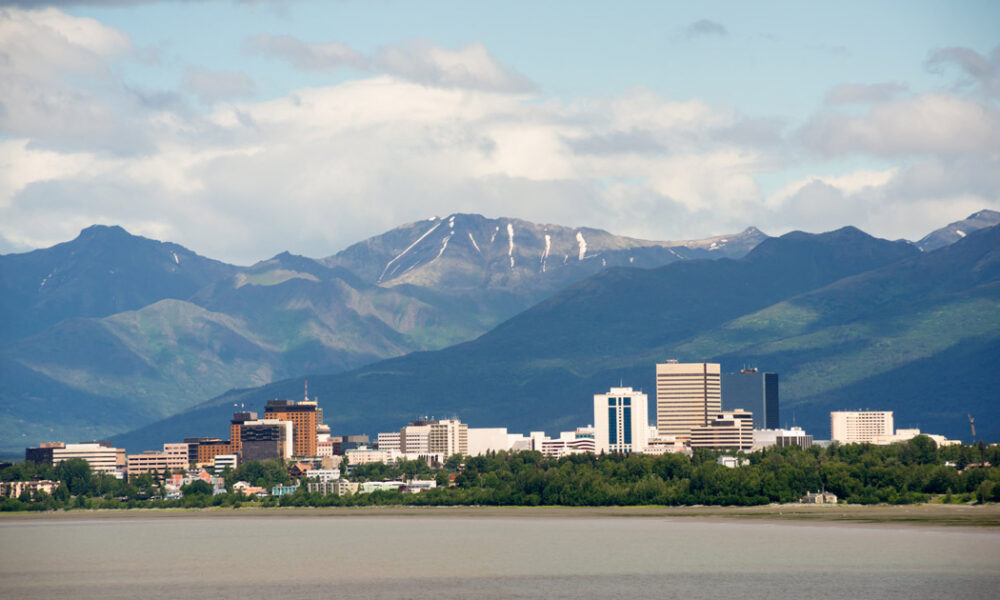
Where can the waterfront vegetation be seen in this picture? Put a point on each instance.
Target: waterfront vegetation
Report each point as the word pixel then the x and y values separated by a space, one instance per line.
pixel 912 472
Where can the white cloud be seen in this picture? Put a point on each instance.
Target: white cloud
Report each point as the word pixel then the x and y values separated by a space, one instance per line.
pixel 927 124
pixel 470 67
pixel 434 132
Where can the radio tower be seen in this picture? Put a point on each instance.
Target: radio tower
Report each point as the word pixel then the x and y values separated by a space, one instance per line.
pixel 972 424
pixel 307 391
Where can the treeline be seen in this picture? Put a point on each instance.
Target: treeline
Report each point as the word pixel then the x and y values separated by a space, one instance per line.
pixel 910 472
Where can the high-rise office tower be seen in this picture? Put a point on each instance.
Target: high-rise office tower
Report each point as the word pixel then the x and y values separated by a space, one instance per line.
pixel 687 396
pixel 304 418
pixel 621 421
pixel 753 391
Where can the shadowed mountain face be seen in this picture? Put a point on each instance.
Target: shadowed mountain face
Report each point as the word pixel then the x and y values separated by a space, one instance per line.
pixel 955 231
pixel 848 320
pixel 147 329
pixel 103 271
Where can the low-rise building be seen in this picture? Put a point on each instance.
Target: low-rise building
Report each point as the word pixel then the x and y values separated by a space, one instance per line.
pixel 101 456
pixel 796 436
pixel 905 435
pixel 818 498
pixel 324 475
pixel 570 442
pixel 338 487
pixel 222 461
pixel 666 444
pixel 13 489
pixel 726 430
pixel 284 490
pixel 173 457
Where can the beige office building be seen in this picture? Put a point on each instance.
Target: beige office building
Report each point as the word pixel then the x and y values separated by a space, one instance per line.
pixel 860 426
pixel 688 395
pixel 173 457
pixel 728 430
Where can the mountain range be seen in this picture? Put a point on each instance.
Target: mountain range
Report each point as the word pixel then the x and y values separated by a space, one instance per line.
pixel 111 331
pixel 849 321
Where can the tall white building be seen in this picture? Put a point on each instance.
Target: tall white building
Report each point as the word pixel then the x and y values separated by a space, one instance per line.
pixel 859 426
pixel 621 421
pixel 445 437
pixel 488 439
pixel 688 395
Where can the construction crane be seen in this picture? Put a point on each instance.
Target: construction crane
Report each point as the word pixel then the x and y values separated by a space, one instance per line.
pixel 972 424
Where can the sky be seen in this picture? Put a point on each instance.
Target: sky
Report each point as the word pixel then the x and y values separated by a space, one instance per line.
pixel 241 129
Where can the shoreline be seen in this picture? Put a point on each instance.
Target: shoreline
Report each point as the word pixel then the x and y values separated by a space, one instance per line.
pixel 939 515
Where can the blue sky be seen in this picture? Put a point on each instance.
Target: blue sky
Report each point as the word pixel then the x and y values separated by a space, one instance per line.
pixel 306 126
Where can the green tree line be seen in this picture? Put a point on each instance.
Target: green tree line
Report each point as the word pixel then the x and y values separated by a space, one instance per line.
pixel 915 471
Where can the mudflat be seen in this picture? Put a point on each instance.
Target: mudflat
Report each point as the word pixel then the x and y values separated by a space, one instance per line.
pixel 961 515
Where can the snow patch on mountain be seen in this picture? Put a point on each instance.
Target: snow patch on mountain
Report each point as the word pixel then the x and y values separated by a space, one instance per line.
pixel 444 244
pixel 408 248
pixel 545 253
pixel 474 244
pixel 582 244
pixel 510 244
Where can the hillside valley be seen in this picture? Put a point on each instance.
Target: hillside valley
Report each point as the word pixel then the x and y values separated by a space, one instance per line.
pixel 848 320
pixel 146 329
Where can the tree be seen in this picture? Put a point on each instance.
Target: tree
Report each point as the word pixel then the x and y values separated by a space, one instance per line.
pixel 75 473
pixel 197 488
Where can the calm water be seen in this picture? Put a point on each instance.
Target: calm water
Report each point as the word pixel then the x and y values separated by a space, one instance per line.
pixel 462 557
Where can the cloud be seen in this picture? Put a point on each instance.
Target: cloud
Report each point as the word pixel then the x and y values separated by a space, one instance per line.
pixel 943 124
pixel 470 67
pixel 212 86
pixel 705 27
pixel 326 56
pixel 421 130
pixel 860 93
pixel 980 72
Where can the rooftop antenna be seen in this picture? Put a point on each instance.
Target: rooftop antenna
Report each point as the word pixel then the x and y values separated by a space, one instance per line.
pixel 307 391
pixel 972 424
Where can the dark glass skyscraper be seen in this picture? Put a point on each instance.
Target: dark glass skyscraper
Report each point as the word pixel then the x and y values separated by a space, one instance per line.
pixel 753 391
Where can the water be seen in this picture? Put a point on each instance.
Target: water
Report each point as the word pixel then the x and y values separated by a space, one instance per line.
pixel 495 557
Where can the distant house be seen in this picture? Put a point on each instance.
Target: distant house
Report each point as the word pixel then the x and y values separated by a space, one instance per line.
pixel 284 490
pixel 732 462
pixel 299 469
pixel 818 498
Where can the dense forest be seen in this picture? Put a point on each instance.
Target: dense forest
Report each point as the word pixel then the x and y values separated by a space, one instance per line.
pixel 911 472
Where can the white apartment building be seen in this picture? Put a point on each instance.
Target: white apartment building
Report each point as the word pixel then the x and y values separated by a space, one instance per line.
pixel 428 436
pixel 621 421
pixel 101 456
pixel 488 439
pixel 860 426
pixel 389 441
pixel 687 396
